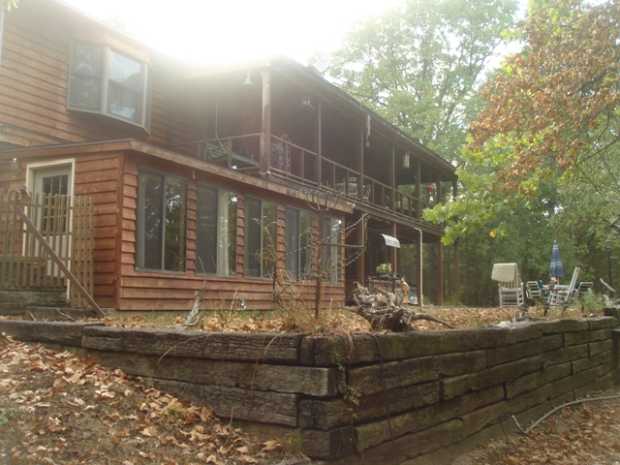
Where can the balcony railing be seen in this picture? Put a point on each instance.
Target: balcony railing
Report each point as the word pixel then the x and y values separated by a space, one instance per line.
pixel 293 162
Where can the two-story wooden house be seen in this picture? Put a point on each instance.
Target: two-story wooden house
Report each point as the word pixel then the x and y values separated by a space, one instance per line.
pixel 207 179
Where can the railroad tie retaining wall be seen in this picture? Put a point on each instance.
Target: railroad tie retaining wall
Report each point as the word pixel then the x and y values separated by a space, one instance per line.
pixel 372 399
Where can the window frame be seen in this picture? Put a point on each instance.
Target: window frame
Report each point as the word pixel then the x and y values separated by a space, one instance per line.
pixel 232 269
pixel 106 52
pixel 262 202
pixel 304 267
pixel 140 245
pixel 327 249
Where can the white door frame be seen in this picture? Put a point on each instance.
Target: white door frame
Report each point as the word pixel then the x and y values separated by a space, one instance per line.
pixel 31 169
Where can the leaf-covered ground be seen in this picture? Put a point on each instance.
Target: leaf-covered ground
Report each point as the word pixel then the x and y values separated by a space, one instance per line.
pixel 581 435
pixel 333 320
pixel 57 408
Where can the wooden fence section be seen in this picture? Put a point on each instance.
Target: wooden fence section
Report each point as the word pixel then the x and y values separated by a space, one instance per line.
pixel 43 236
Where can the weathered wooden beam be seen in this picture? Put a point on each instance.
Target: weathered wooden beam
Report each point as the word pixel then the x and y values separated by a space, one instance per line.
pixel 327 414
pixel 64 333
pixel 237 404
pixel 311 381
pixel 265 140
pixel 214 346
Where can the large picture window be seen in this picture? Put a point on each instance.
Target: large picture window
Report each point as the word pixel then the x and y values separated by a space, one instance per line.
pixel 331 229
pixel 260 237
pixel 298 243
pixel 105 81
pixel 216 231
pixel 161 222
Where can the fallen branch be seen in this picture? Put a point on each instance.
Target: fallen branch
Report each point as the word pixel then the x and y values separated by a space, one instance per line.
pixel 527 430
pixel 385 310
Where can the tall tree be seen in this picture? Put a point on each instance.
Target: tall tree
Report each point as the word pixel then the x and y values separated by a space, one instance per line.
pixel 543 158
pixel 420 65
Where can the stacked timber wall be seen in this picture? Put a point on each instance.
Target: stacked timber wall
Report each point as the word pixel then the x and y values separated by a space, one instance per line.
pixel 372 399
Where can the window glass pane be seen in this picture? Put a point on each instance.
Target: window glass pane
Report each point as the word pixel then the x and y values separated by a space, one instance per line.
pixel 253 237
pixel 330 249
pixel 232 233
pixel 86 75
pixel 206 230
pixel 305 244
pixel 174 215
pixel 125 87
pixel 292 242
pixel 124 103
pixel 125 71
pixel 268 252
pixel 226 221
pixel 150 227
pixel 87 60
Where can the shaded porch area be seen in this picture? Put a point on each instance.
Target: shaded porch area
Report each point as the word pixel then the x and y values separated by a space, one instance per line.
pixel 382 250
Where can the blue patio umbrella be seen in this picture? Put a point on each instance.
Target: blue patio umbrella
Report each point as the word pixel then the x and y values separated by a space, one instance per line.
pixel 556 268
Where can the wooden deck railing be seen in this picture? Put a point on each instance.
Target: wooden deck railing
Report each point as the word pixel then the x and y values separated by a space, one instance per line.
pixel 293 162
pixel 47 241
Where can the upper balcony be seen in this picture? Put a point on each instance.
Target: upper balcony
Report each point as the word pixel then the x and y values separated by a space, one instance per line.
pixel 284 121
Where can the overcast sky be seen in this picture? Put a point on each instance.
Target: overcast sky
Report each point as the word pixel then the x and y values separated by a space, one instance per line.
pixel 207 32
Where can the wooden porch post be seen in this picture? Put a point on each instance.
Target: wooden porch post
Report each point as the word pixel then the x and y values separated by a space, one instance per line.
pixel 319 142
pixel 418 189
pixel 440 273
pixel 420 269
pixel 394 250
pixel 438 196
pixel 360 264
pixel 393 177
pixel 265 139
pixel 361 162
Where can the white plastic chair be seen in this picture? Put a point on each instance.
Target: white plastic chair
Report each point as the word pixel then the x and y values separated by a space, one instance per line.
pixel 561 295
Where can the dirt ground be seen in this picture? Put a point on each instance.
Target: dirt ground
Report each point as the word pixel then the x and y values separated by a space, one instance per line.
pixel 57 408
pixel 587 434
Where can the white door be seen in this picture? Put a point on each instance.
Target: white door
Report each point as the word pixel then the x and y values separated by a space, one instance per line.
pixel 51 213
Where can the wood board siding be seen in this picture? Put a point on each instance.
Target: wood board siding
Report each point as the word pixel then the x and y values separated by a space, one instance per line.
pixel 33 93
pixel 162 290
pixel 98 176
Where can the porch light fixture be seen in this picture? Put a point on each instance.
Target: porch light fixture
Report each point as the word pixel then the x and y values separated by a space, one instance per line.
pixel 234 199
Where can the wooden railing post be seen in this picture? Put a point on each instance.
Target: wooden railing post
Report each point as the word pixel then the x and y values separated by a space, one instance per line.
pixel 265 140
pixel 319 142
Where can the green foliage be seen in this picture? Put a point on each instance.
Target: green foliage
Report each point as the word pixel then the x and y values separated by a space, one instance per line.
pixel 420 65
pixel 591 302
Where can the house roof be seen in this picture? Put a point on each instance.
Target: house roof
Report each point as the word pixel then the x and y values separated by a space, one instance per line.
pixel 311 76
pixel 307 74
pixel 136 146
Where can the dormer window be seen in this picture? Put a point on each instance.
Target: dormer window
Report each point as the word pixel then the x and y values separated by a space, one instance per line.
pixel 108 82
